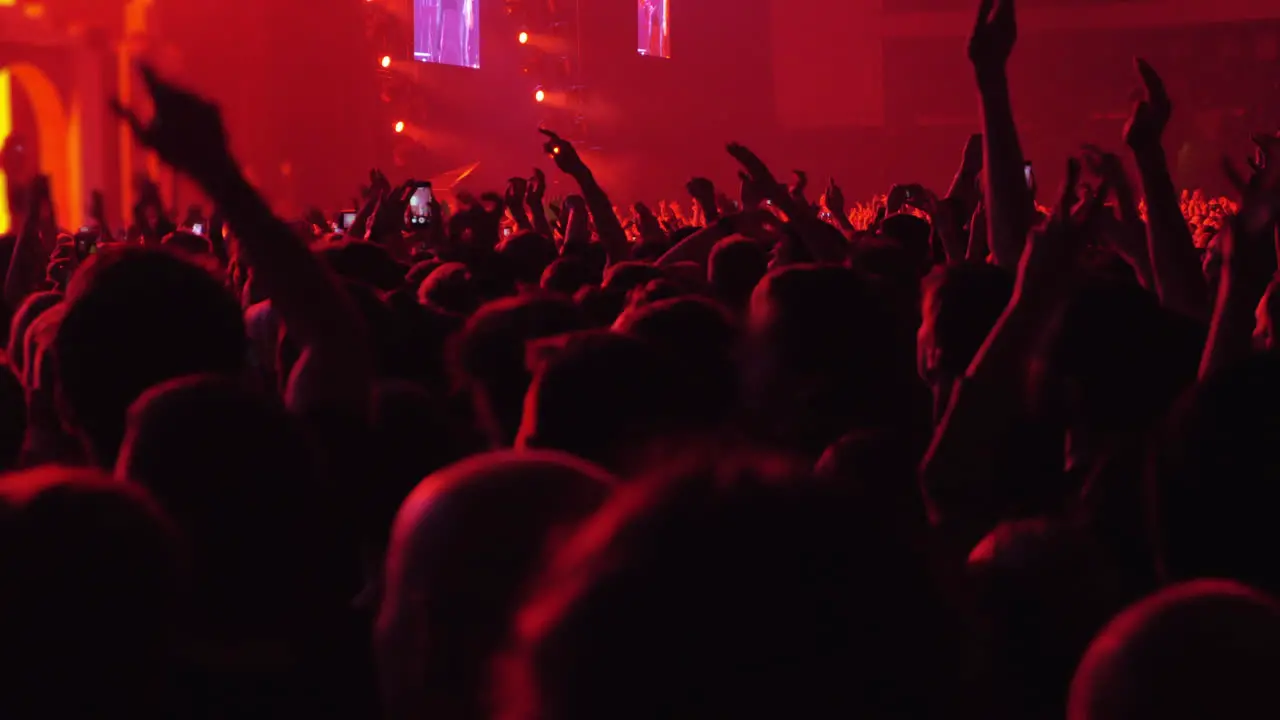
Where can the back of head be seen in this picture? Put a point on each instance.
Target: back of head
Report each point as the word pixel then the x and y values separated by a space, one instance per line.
pixel 567 275
pixel 1125 358
pixel 962 302
pixel 450 288
pixel 735 268
pixel 737 589
pixel 1204 649
pixel 364 262
pixel 621 278
pixel 700 336
pixel 1211 475
pixel 189 243
pixel 825 355
pixel 91 585
pixel 912 234
pixel 606 397
pixel 465 545
pixel 489 355
pixel 32 308
pixel 527 255
pixel 135 318
pixel 237 475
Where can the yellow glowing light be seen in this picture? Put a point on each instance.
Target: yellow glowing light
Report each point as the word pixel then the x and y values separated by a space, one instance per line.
pixel 386 61
pixel 6 128
pixel 539 95
pixel 400 126
pixel 524 37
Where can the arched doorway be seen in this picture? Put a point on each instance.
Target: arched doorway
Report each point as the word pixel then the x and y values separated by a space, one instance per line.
pixel 55 143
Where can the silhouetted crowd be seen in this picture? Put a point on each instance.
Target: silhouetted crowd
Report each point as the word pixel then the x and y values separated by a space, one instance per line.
pixel 943 455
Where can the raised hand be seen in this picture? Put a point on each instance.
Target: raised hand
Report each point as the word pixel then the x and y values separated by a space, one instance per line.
pixel 798 187
pixel 563 153
pixel 186 130
pixel 1052 255
pixel 1151 113
pixel 833 199
pixel 703 192
pixel 758 182
pixel 517 189
pixel 971 160
pixel 536 188
pixel 993 38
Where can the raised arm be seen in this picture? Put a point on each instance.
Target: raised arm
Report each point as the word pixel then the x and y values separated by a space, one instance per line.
pixel 957 470
pixel 823 242
pixel 535 193
pixel 1248 262
pixel 1175 266
pixel 612 236
pixel 1007 199
pixel 335 371
pixel 31 250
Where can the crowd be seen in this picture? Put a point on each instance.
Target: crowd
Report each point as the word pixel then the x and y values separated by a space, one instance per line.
pixel 945 455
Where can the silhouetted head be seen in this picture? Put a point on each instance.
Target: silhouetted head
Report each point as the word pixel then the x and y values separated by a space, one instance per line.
pixel 701 338
pixel 489 356
pixel 364 262
pixel 1212 496
pixel 569 274
pixel 735 268
pixel 240 480
pixel 824 355
pixel 135 318
pixel 1204 649
pixel 91 584
pixel 606 397
pixel 464 548
pixel 450 288
pixel 961 303
pixel 189 243
pixel 527 255
pixel 737 588
pixel 31 308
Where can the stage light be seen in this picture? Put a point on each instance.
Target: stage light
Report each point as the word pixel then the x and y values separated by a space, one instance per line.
pixel 523 37
pixel 400 126
pixel 539 95
pixel 386 61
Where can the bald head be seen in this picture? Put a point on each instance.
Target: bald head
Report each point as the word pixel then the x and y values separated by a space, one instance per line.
pixel 1202 649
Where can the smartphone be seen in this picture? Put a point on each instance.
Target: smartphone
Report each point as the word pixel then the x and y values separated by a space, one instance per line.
pixel 86 243
pixel 418 214
pixel 1031 178
pixel 348 219
pixel 197 228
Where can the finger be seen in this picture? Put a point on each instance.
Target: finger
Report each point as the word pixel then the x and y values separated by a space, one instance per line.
pixel 129 116
pixel 984 13
pixel 1151 81
pixel 550 134
pixel 1005 13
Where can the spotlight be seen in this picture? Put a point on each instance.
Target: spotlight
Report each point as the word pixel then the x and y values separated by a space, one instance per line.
pixel 523 37
pixel 539 95
pixel 386 61
pixel 400 126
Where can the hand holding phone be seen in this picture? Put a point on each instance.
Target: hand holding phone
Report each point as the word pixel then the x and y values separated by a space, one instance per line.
pixel 418 212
